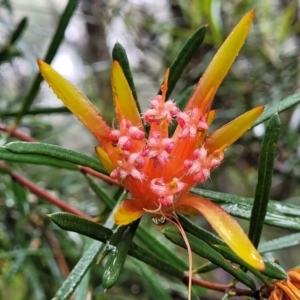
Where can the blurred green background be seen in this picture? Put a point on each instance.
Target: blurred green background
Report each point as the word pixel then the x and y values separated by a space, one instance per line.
pixel 152 32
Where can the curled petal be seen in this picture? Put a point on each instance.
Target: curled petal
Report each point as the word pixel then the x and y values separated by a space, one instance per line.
pixel 128 211
pixel 226 226
pixel 229 133
pixel 76 102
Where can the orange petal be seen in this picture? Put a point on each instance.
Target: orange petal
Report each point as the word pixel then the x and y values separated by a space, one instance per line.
pixel 219 66
pixel 123 98
pixel 226 226
pixel 128 211
pixel 104 159
pixel 78 104
pixel 229 133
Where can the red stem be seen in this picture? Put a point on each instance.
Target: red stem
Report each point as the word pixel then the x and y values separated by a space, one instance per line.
pixel 231 290
pixel 43 194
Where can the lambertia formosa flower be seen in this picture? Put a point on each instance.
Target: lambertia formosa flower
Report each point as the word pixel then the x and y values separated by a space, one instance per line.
pixel 157 169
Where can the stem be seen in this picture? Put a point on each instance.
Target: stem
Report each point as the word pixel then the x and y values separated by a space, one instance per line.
pixel 43 194
pixel 17 134
pixel 99 175
pixel 229 289
pixel 58 253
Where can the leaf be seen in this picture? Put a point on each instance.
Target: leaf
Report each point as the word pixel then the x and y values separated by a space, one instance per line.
pixel 116 259
pixel 37 111
pixel 100 192
pixel 100 233
pixel 153 286
pixel 48 150
pixel 204 250
pixel 279 214
pixel 35 159
pixel 264 179
pixel 278 107
pixel 219 245
pixel 19 30
pixel 80 225
pixel 32 276
pixel 185 55
pixel 280 243
pixel 160 249
pixel 82 266
pixel 205 268
pixel 55 43
pixel 9 50
pixel 87 259
pixel 82 288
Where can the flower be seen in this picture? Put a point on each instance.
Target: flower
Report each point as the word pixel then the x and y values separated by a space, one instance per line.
pixel 158 170
pixel 288 289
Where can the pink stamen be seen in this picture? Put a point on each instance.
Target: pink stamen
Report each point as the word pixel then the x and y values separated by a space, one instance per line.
pixel 191 123
pixel 166 191
pixel 201 164
pixel 160 111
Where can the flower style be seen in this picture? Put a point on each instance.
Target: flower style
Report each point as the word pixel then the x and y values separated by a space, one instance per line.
pixel 157 169
pixel 288 289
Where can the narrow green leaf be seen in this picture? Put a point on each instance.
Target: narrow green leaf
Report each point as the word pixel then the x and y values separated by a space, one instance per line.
pixel 56 41
pixel 100 192
pixel 20 196
pixel 229 254
pixel 279 214
pixel 204 250
pixel 200 232
pixel 119 54
pixel 100 233
pixel 78 272
pixel 278 107
pixel 19 30
pixel 114 238
pixel 205 268
pixel 274 271
pixel 155 261
pixel 264 180
pixel 182 101
pixel 280 243
pixel 185 55
pixel 151 283
pixel 7 155
pixel 48 150
pixel 69 285
pixel 116 258
pixel 31 274
pixel 80 225
pixel 37 111
pixel 160 249
pixel 217 244
pixel 82 288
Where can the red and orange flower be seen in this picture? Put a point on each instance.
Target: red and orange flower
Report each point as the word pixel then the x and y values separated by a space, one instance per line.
pixel 158 169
